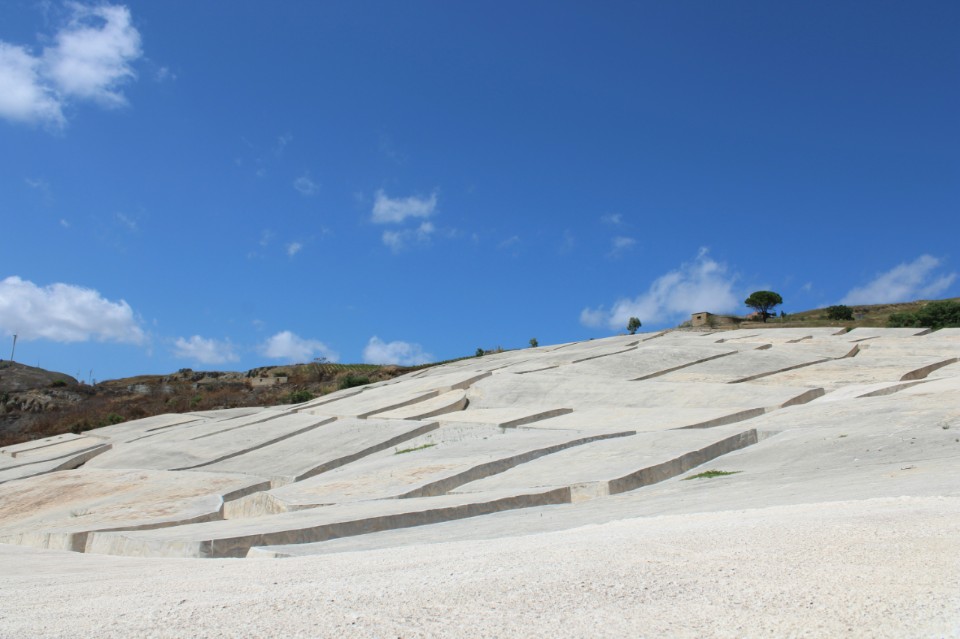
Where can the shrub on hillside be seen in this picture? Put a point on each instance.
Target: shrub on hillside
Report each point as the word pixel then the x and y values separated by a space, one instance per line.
pixel 944 314
pixel 839 312
pixel 300 396
pixel 350 380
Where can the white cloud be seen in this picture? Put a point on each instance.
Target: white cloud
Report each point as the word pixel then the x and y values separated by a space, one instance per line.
pixel 293 348
pixel 64 223
pixel 90 60
pixel 399 240
pixel 701 285
pixel 613 219
pixel 205 351
pixel 92 55
pixel 620 244
pixel 64 313
pixel 403 353
pixel 305 186
pixel 293 248
pixel 593 317
pixel 388 210
pixel 24 96
pixel 903 283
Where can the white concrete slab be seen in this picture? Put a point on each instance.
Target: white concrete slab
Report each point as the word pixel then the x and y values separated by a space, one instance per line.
pixel 322 449
pixel 648 360
pixel 429 471
pixel 18 449
pixel 449 402
pixel 549 389
pixel 646 419
pixel 509 417
pixel 888 427
pixel 752 364
pixel 234 538
pixel 865 332
pixel 59 510
pixel 615 466
pixel 372 402
pixel 865 368
pixel 188 449
pixel 132 430
pixel 21 469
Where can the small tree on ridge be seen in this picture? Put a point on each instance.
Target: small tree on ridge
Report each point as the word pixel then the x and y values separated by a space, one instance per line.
pixel 633 325
pixel 763 302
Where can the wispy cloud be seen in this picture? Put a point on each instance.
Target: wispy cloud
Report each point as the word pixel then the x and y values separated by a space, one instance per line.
pixel 903 283
pixel 387 210
pixel 65 313
pixel 293 248
pixel 701 285
pixel 41 186
pixel 510 242
pixel 305 185
pixel 613 219
pixel 289 346
pixel 37 183
pixel 620 245
pixel 398 352
pixel 205 351
pixel 126 222
pixel 389 150
pixel 399 240
pixel 164 74
pixel 281 144
pixel 567 242
pixel 90 59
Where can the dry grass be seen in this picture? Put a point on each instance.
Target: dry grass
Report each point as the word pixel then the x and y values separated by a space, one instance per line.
pixel 83 408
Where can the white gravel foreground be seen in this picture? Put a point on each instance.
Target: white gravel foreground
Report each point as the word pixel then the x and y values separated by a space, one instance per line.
pixel 872 568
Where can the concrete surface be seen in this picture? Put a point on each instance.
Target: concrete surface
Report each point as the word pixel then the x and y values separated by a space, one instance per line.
pixel 489 497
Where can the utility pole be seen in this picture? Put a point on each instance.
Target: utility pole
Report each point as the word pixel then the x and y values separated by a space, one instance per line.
pixel 14 349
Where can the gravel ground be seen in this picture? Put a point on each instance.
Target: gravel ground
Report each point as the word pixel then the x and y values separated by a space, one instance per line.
pixel 872 568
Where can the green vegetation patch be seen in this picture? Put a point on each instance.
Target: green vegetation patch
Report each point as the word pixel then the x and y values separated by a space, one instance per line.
pixel 942 314
pixel 300 396
pixel 710 474
pixel 410 450
pixel 351 380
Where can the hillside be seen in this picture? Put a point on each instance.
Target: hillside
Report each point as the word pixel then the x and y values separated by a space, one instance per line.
pixel 36 403
pixel 16 377
pixel 865 315
pixel 685 483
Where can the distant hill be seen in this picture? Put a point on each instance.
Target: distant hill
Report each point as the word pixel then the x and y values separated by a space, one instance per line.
pixel 874 315
pixel 16 377
pixel 37 403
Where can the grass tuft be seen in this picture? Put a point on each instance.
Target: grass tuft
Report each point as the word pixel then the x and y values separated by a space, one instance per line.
pixel 710 474
pixel 410 450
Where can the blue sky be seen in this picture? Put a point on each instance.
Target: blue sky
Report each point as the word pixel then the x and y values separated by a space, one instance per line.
pixel 223 186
